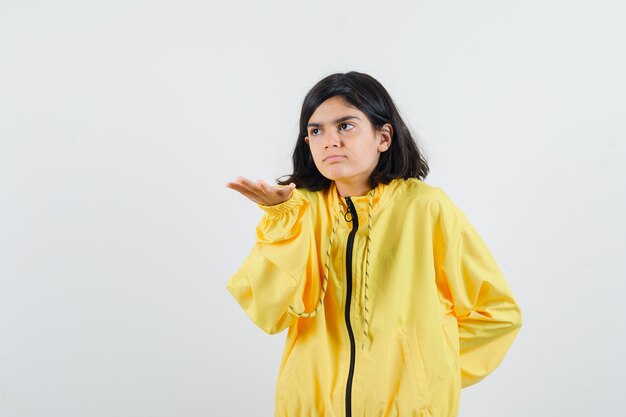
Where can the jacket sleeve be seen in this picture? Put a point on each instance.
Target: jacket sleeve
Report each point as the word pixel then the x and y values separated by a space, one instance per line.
pixel 273 275
pixel 487 313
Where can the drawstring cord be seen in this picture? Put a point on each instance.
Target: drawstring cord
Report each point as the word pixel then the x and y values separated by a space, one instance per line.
pixel 365 299
pixel 325 283
pixel 364 286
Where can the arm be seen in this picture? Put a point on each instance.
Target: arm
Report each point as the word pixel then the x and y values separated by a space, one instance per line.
pixel 273 276
pixel 487 313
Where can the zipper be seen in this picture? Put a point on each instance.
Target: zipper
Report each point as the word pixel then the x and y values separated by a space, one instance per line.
pixel 354 218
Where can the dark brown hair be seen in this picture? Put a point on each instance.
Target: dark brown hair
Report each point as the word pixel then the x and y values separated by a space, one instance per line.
pixel 403 159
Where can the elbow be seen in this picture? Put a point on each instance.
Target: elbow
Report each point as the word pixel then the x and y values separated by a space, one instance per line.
pixel 517 316
pixel 274 330
pixel 512 315
pixel 514 319
pixel 274 327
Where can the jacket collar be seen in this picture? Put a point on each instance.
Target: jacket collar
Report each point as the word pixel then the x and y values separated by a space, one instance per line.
pixel 339 207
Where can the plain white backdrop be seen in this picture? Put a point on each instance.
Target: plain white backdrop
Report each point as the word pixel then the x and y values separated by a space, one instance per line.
pixel 120 122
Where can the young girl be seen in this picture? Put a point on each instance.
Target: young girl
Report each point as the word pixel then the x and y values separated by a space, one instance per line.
pixel 392 300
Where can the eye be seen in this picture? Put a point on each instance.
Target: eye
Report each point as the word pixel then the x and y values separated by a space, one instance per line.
pixel 312 131
pixel 347 124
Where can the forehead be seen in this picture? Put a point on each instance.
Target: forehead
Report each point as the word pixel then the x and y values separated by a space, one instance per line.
pixel 332 109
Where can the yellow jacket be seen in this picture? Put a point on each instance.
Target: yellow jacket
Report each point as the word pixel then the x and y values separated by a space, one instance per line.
pixel 390 312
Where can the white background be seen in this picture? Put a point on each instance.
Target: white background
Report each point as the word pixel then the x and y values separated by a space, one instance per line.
pixel 120 122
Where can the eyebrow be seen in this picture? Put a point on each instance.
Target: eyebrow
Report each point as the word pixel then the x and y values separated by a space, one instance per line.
pixel 341 119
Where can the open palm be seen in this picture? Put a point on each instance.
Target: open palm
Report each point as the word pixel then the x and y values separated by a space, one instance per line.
pixel 262 192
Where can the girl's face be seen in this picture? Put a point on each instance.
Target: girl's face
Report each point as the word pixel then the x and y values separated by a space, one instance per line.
pixel 345 146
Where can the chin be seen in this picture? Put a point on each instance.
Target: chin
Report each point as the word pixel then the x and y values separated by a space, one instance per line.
pixel 334 175
pixel 327 174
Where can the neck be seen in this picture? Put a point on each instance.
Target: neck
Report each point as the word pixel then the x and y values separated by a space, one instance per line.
pixel 352 190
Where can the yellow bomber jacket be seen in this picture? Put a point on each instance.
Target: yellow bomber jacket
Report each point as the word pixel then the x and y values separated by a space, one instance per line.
pixel 392 301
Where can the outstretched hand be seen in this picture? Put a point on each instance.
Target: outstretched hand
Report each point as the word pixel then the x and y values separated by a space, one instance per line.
pixel 261 192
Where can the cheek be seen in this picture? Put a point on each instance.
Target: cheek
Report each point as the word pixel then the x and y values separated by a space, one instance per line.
pixel 370 156
pixel 315 153
pixel 315 149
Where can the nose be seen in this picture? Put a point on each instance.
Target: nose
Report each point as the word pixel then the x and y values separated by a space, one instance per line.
pixel 331 139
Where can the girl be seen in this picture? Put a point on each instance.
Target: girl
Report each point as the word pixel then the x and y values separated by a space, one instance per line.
pixel 392 300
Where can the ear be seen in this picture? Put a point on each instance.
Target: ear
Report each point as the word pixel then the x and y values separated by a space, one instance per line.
pixel 385 135
pixel 306 139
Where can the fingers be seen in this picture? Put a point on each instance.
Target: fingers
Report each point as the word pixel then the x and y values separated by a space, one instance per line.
pixel 242 190
pixel 265 188
pixel 248 189
pixel 268 192
pixel 260 191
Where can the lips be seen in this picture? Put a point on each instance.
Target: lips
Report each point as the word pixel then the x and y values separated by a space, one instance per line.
pixel 333 158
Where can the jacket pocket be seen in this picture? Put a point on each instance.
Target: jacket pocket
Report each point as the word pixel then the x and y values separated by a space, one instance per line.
pixel 418 378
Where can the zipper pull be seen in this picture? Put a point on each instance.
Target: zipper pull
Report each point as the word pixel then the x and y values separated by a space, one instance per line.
pixel 350 211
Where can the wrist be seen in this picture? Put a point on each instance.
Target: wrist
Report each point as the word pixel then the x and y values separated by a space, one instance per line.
pixel 277 210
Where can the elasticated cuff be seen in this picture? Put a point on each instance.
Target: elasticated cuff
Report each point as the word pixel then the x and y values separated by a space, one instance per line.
pixel 277 210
